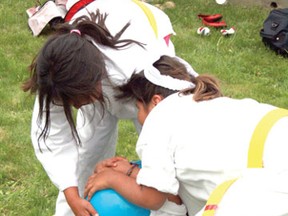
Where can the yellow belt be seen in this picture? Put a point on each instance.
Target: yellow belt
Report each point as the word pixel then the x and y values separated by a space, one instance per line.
pixel 255 156
pixel 149 15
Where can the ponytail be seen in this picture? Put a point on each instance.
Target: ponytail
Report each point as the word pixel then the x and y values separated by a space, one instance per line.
pixel 93 27
pixel 206 88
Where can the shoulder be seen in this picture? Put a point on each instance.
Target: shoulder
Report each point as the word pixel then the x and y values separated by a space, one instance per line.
pixel 172 101
pixel 171 107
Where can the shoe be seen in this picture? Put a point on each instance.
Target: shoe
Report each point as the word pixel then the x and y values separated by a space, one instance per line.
pixel 226 32
pixel 212 20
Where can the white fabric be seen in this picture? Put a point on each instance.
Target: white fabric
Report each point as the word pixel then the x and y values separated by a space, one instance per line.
pixel 259 192
pixel 125 11
pixel 58 144
pixel 61 2
pixel 154 76
pixel 67 165
pixel 44 15
pixel 70 3
pixel 188 147
pixel 170 209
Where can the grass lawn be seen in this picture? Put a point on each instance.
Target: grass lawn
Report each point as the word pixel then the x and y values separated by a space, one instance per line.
pixel 245 67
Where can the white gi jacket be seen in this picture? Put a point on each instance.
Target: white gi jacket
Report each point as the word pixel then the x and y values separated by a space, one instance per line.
pixel 188 147
pixel 67 164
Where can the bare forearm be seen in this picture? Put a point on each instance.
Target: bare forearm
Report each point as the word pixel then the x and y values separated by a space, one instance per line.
pixel 71 194
pixel 146 197
pixel 78 205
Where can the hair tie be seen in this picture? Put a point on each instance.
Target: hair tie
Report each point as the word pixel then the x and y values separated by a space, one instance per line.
pixel 75 31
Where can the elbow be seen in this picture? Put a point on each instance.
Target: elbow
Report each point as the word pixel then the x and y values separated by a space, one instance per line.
pixel 156 202
pixel 156 206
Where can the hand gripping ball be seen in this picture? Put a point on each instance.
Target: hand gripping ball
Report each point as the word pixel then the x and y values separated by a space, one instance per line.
pixel 110 203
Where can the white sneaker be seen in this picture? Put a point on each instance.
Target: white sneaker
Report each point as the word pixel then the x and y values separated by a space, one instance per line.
pixel 227 32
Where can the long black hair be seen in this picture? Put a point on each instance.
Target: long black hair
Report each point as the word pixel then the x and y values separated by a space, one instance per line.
pixel 70 68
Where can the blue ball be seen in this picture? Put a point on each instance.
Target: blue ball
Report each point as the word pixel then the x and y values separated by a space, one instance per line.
pixel 110 203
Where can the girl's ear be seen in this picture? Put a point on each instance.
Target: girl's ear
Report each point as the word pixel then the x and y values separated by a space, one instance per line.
pixel 156 99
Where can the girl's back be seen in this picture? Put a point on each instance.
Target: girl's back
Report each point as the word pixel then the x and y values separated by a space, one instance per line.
pixel 202 144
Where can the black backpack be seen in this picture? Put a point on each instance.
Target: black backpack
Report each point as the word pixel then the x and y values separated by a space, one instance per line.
pixel 275 31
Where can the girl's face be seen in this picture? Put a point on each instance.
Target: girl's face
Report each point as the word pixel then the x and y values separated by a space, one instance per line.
pixel 144 110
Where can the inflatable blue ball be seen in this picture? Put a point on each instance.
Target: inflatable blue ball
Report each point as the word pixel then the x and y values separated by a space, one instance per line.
pixel 110 203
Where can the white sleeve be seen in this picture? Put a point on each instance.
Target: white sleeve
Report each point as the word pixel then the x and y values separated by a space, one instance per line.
pixel 58 154
pixel 157 153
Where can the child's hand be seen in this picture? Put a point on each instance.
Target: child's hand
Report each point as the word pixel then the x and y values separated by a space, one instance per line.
pixel 98 181
pixel 108 163
pixel 122 166
pixel 83 208
pixel 79 206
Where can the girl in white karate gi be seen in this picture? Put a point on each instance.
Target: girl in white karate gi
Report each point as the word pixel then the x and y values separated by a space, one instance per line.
pixel 194 140
pixel 79 66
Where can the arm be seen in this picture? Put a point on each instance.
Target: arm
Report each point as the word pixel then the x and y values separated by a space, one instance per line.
pixel 122 165
pixel 59 154
pixel 78 205
pixel 146 197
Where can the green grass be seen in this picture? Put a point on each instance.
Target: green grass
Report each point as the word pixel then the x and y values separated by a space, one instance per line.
pixel 245 67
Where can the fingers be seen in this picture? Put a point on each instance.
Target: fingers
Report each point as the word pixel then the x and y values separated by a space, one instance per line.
pixel 112 162
pixel 89 191
pixel 94 183
pixel 91 210
pixel 103 165
pixel 88 186
pixel 108 163
pixel 83 208
pixel 98 181
pixel 90 194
